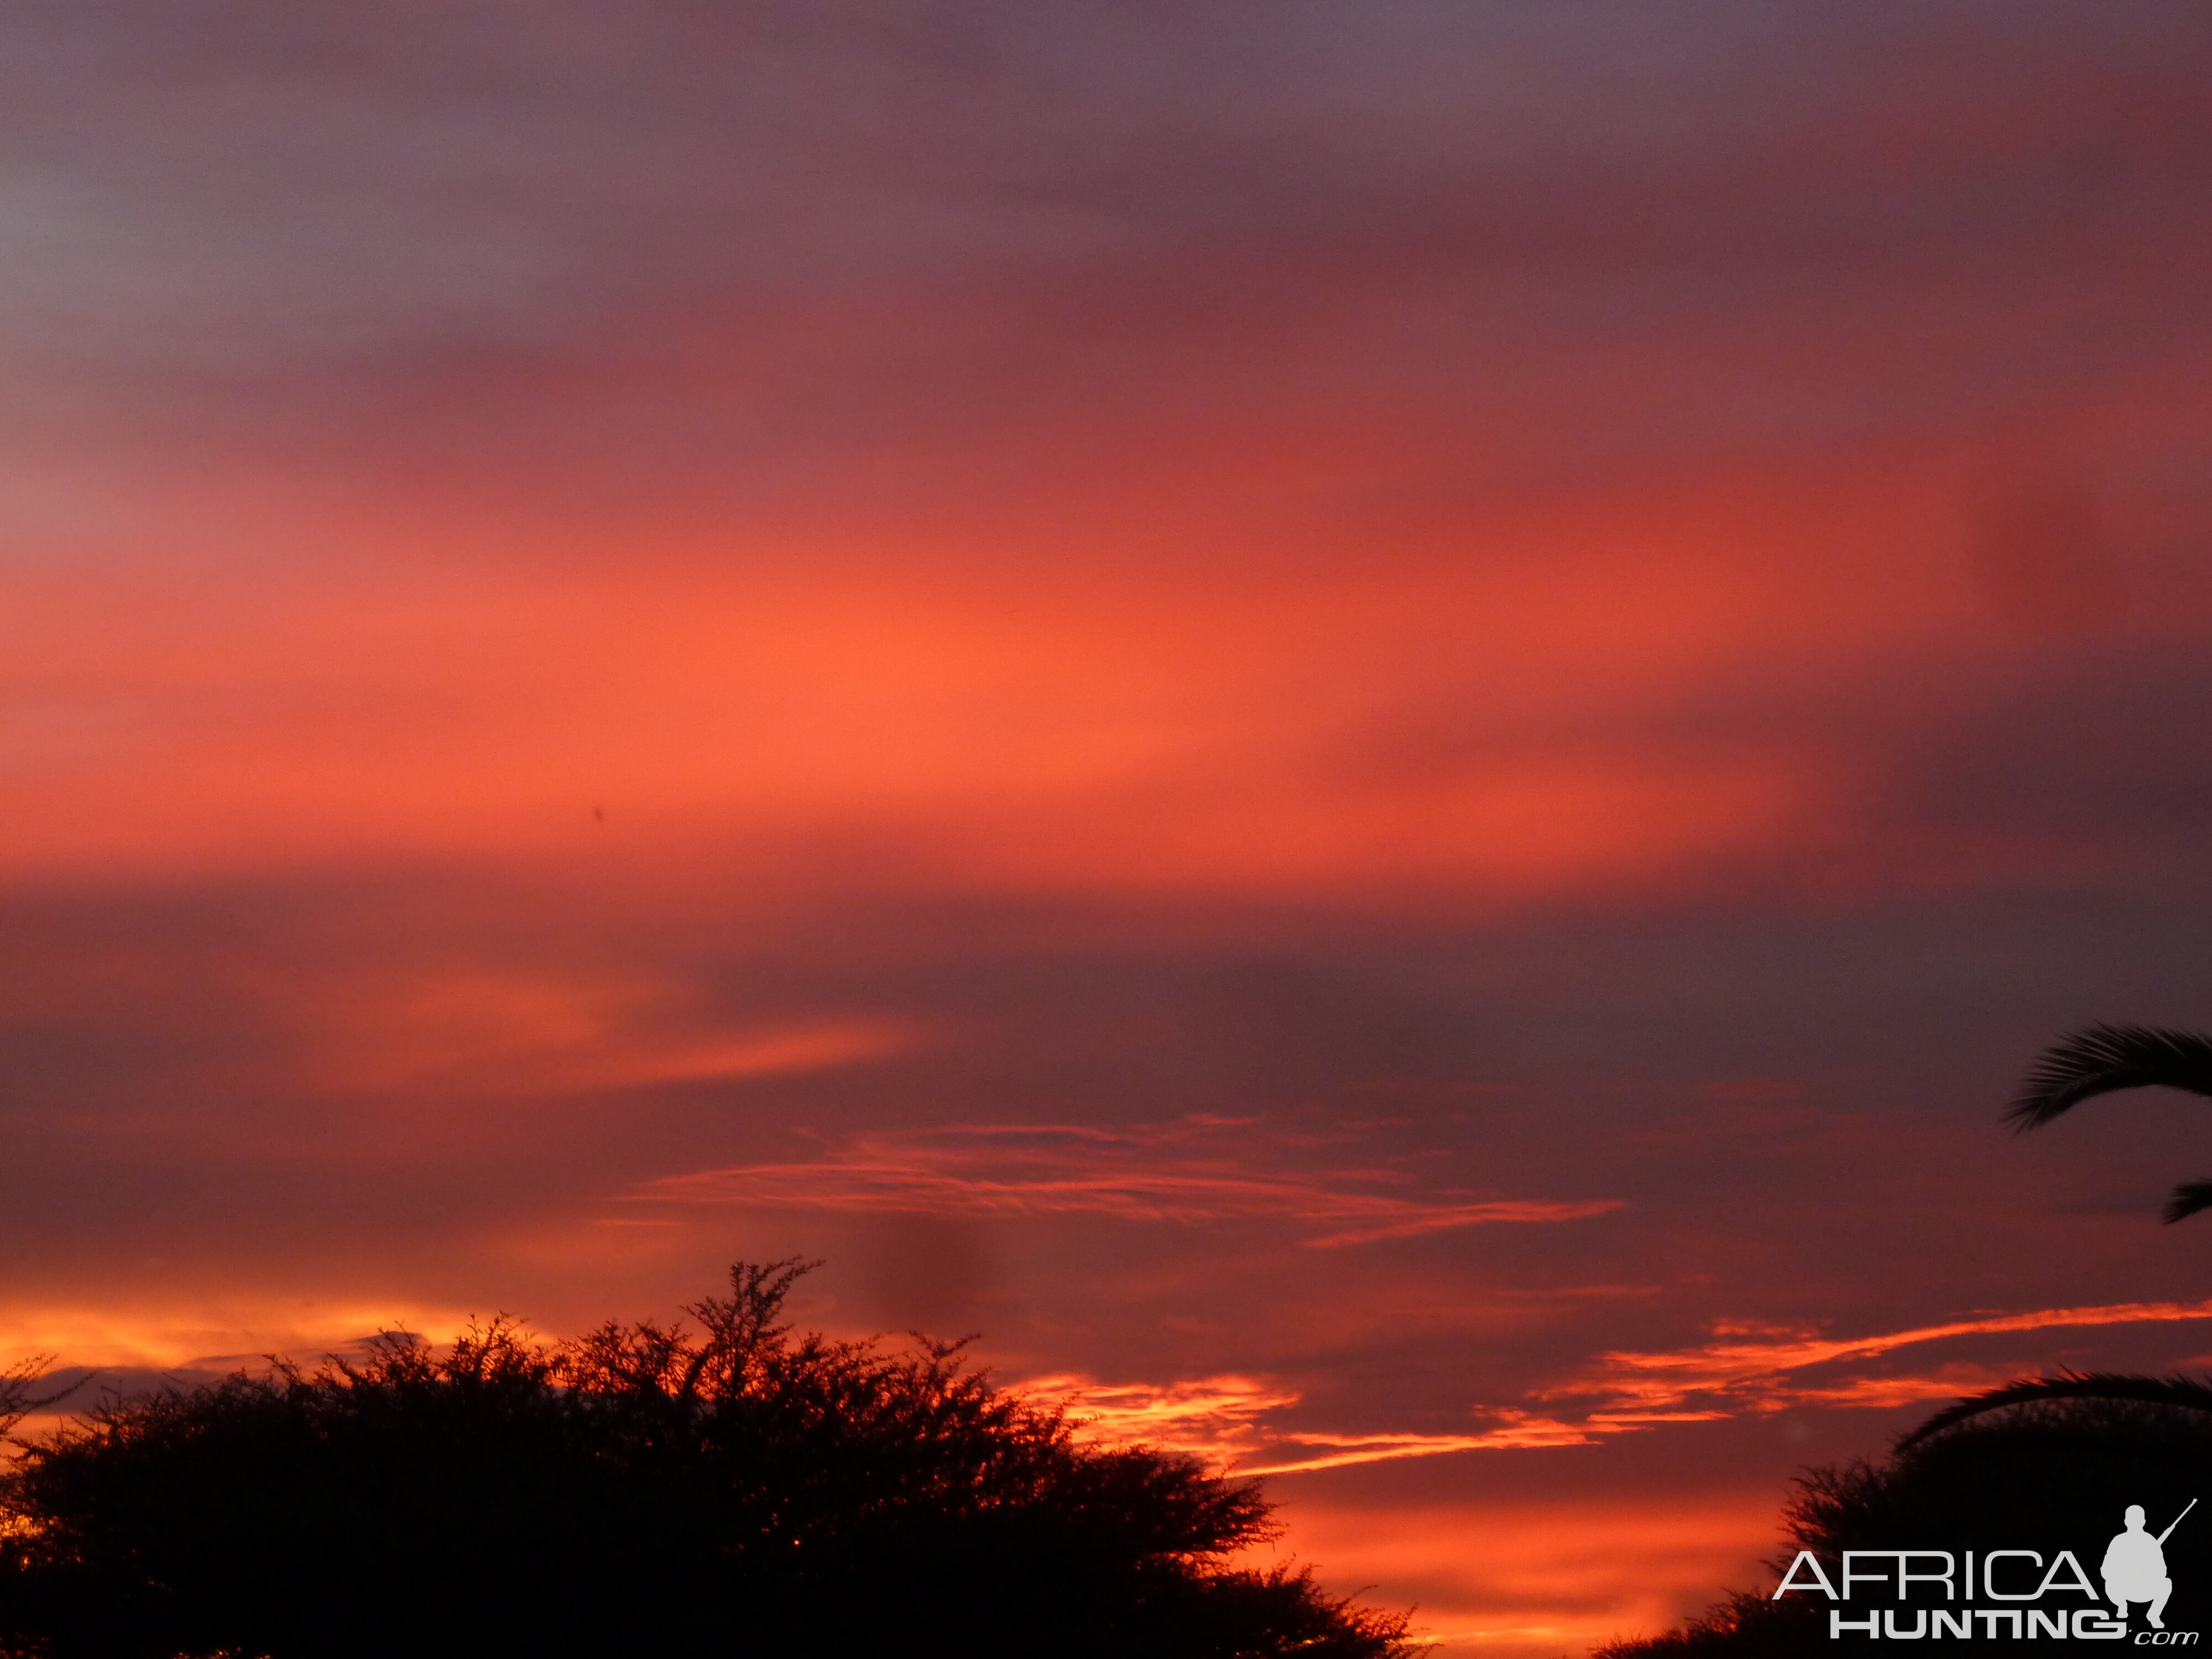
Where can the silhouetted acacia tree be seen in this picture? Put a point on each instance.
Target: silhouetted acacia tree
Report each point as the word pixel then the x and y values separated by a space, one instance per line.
pixel 724 1487
pixel 19 1394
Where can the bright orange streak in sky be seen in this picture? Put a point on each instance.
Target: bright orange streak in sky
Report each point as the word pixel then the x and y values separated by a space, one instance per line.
pixel 1482 722
pixel 1525 1581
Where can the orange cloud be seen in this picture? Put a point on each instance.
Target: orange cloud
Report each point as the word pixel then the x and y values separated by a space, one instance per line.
pixel 1218 1418
pixel 500 1034
pixel 1154 1173
pixel 1515 1432
pixel 1224 1420
pixel 1234 1419
pixel 1755 1375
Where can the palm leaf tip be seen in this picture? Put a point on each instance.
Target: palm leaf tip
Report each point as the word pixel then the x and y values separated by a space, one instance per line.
pixel 2100 1059
pixel 2188 1199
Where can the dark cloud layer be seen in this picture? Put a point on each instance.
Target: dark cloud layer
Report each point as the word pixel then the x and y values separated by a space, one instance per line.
pixel 1680 1060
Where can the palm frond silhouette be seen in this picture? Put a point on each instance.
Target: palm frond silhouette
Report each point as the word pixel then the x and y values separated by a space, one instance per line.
pixel 2102 1059
pixel 2183 1393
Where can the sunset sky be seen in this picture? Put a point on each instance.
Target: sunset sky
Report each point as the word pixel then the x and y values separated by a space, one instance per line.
pixel 1379 728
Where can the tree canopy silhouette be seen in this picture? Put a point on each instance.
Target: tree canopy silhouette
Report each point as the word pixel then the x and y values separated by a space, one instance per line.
pixel 722 1486
pixel 19 1395
pixel 2058 1471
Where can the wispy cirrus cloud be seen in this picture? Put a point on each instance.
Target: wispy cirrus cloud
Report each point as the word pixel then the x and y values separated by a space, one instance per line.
pixel 1513 1431
pixel 1200 1170
pixel 1236 1421
pixel 1226 1420
pixel 1219 1418
pixel 1732 1376
pixel 536 1031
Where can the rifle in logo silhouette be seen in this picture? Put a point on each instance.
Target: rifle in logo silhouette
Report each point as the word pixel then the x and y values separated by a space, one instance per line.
pixel 2177 1520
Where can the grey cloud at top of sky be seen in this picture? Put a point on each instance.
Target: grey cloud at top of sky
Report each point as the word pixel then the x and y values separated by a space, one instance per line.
pixel 218 201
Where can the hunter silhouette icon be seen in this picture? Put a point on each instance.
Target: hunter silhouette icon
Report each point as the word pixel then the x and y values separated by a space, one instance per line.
pixel 2134 1566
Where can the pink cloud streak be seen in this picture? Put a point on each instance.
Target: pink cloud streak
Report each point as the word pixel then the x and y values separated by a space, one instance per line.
pixel 1754 1373
pixel 1148 1173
